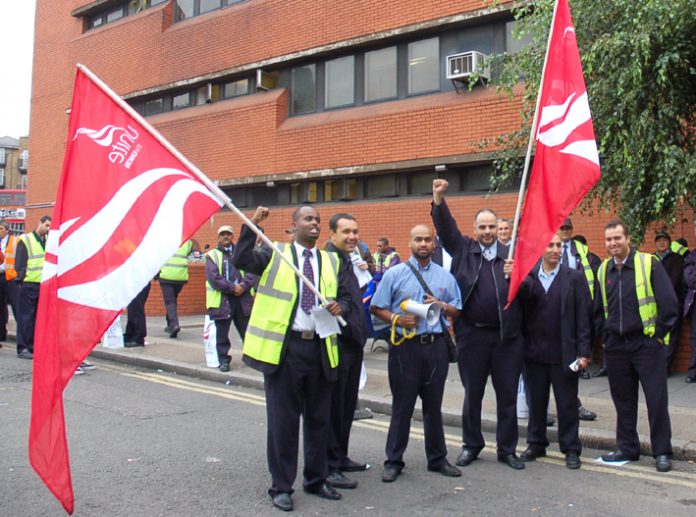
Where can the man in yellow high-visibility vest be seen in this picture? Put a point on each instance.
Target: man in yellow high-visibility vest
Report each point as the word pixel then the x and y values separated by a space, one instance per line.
pixel 635 308
pixel 29 263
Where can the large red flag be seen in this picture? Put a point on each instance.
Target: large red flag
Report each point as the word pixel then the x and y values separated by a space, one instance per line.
pixel 124 206
pixel 566 165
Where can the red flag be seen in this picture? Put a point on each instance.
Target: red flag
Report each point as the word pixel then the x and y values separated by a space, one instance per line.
pixel 566 165
pixel 124 206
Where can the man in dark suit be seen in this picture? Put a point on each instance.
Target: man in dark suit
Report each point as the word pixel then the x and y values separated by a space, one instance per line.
pixel 556 327
pixel 281 341
pixel 488 335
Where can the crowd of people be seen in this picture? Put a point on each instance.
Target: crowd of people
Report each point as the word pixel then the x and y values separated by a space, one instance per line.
pixel 630 304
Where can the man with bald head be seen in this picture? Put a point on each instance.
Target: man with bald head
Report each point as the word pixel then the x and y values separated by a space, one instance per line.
pixel 488 334
pixel 418 358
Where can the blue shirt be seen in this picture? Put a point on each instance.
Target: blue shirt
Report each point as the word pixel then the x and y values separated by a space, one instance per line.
pixel 493 247
pixel 399 284
pixel 547 279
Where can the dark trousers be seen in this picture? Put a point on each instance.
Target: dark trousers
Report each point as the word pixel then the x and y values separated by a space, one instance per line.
pixel 170 293
pixel 136 324
pixel 692 339
pixel 297 388
pixel 482 353
pixel 539 378
pixel 344 399
pixel 27 307
pixel 630 361
pixel 222 330
pixel 8 295
pixel 417 370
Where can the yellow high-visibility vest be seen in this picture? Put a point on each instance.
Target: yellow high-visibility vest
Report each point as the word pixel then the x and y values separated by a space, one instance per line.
pixel 176 268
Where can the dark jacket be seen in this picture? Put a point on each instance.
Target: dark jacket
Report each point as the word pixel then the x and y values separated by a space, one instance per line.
pixel 466 263
pixel 674 266
pixel 354 334
pixel 624 318
pixel 256 261
pixel 689 281
pixel 220 283
pixel 576 312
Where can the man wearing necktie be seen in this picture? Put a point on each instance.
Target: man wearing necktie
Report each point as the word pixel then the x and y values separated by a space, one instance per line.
pixel 281 341
pixel 488 334
pixel 228 294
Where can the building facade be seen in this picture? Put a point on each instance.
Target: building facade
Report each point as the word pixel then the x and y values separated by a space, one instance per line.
pixel 281 102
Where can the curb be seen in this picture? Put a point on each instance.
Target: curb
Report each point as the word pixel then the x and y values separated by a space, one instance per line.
pixel 591 438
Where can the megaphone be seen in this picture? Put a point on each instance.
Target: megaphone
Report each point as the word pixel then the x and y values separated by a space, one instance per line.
pixel 429 311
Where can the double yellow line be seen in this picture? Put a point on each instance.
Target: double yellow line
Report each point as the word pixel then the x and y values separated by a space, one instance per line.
pixel 632 470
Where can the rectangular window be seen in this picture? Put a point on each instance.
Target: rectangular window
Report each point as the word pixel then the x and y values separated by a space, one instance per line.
pixel 202 95
pixel 183 100
pixel 421 183
pixel 236 88
pixel 3 155
pixel 380 74
pixel 209 5
pixel 114 14
pixel 184 9
pixel 96 21
pixel 424 66
pixel 381 186
pixel 304 89
pixel 2 176
pixel 154 106
pixel 339 89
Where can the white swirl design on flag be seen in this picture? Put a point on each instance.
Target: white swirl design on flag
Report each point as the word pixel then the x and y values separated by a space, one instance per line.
pixel 574 112
pixel 103 136
pixel 116 289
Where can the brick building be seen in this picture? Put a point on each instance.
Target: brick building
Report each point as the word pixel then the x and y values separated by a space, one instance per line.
pixel 343 104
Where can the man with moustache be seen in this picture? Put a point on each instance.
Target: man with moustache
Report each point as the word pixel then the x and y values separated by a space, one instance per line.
pixel 281 341
pixel 634 310
pixel 417 365
pixel 344 398
pixel 556 309
pixel 488 334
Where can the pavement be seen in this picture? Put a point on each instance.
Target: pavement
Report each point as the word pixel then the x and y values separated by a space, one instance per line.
pixel 185 356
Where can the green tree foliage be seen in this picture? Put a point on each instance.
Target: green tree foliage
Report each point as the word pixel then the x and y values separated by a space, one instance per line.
pixel 639 60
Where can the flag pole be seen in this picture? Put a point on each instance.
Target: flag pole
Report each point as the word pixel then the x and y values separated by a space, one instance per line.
pixel 532 131
pixel 224 198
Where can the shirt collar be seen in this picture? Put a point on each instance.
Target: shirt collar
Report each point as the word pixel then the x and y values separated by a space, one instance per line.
pixel 493 247
pixel 413 260
pixel 550 274
pixel 299 248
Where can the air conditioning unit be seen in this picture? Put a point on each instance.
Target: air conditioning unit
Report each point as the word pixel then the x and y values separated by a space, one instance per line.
pixel 464 65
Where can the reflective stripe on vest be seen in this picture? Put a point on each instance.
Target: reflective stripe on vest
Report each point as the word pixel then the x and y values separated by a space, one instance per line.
pixel 678 248
pixel 387 259
pixel 272 313
pixel 647 307
pixel 213 297
pixel 35 258
pixel 10 272
pixel 176 268
pixel 583 252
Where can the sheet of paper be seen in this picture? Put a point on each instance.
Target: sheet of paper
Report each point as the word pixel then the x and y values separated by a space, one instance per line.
pixel 326 324
pixel 363 275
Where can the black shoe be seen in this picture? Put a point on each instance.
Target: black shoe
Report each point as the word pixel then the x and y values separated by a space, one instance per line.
pixel 689 379
pixel 602 372
pixel 132 344
pixel 573 460
pixel 586 414
pixel 324 491
pixel 337 480
pixel 618 456
pixel 446 469
pixel 550 421
pixel 532 453
pixel 512 461
pixel 466 457
pixel 283 502
pixel 25 354
pixel 353 466
pixel 584 374
pixel 224 367
pixel 663 463
pixel 364 413
pixel 389 474
pixel 174 332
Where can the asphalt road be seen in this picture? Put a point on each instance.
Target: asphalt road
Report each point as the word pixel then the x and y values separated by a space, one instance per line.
pixel 150 443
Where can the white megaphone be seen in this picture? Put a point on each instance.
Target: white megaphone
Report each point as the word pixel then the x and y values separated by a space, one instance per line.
pixel 429 311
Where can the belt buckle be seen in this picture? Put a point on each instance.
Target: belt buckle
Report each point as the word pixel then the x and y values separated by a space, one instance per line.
pixel 426 339
pixel 307 334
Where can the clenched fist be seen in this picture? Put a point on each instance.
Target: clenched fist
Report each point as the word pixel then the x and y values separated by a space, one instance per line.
pixel 440 186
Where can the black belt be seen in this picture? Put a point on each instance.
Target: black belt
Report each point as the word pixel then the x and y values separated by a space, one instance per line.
pixel 425 339
pixel 483 325
pixel 305 335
